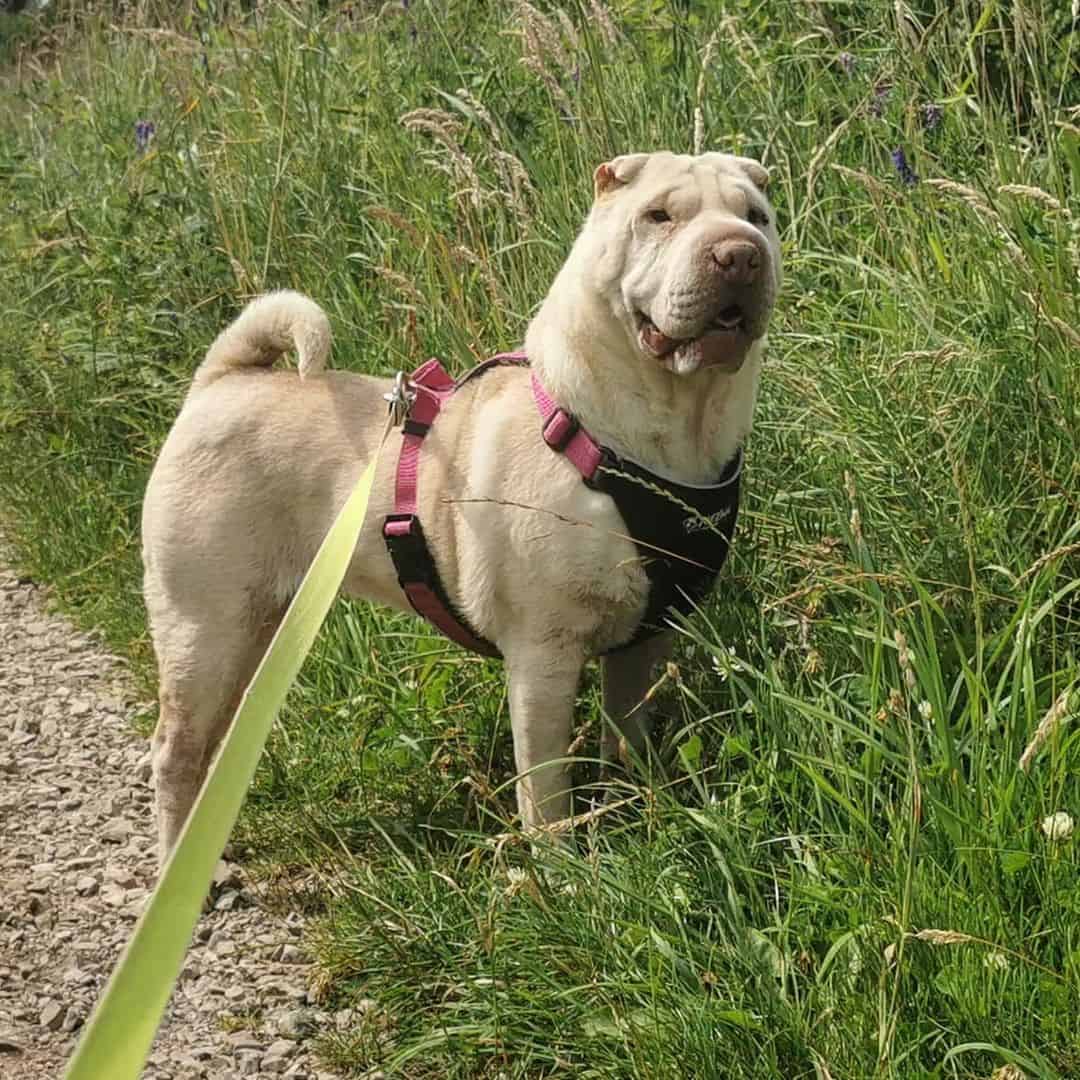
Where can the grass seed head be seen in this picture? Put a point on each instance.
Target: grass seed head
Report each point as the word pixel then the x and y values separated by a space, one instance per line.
pixel 603 20
pixel 1035 194
pixel 1054 718
pixel 943 937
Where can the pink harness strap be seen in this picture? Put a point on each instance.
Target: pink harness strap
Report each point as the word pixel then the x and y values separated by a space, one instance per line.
pixel 427 603
pixel 432 386
pixel 418 575
pixel 563 433
pixel 415 565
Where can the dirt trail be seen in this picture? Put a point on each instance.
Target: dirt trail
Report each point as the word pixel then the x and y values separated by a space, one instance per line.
pixel 77 861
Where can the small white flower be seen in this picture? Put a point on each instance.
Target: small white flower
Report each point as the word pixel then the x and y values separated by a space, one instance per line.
pixel 516 878
pixel 926 710
pixel 855 959
pixel 996 961
pixel 1058 826
pixel 725 661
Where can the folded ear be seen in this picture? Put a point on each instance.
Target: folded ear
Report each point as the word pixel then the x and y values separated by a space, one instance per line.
pixel 617 171
pixel 757 172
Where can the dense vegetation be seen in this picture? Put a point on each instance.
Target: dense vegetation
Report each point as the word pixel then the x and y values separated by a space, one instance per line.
pixel 835 865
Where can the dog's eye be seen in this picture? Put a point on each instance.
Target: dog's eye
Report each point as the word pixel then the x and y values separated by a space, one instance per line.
pixel 758 217
pixel 658 215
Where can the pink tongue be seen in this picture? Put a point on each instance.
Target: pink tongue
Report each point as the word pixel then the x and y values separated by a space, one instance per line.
pixel 660 343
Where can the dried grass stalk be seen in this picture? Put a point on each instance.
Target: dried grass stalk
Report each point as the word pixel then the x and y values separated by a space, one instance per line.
pixel 978 203
pixel 945 937
pixel 1069 333
pixel 1050 556
pixel 699 115
pixel 1035 194
pixel 602 17
pixel 445 129
pixel 871 183
pixel 1053 719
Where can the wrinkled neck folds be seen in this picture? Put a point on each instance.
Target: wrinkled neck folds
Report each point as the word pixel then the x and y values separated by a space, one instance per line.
pixel 583 345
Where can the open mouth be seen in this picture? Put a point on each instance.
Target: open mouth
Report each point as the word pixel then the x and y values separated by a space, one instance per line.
pixel 723 341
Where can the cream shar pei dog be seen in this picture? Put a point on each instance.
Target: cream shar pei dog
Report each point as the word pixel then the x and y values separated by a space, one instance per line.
pixel 648 348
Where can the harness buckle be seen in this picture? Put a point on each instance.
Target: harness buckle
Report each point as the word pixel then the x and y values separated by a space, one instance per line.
pixel 408 549
pixel 399 400
pixel 398 526
pixel 559 428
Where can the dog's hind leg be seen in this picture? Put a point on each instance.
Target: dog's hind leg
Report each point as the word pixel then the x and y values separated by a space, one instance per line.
pixel 204 665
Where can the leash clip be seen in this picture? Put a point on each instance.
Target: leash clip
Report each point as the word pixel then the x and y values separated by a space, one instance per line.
pixel 400 399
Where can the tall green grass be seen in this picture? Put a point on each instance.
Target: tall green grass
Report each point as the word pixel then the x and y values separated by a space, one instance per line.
pixel 837 757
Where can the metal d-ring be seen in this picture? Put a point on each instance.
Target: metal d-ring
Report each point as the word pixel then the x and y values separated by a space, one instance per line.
pixel 400 399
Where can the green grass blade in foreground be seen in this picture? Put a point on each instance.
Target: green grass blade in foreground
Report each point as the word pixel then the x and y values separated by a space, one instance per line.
pixel 123 1026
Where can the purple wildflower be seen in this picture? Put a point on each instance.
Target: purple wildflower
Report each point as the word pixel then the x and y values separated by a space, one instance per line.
pixel 903 169
pixel 847 62
pixel 881 95
pixel 144 132
pixel 932 116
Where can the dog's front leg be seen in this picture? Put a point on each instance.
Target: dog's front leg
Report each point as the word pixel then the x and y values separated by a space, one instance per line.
pixel 543 682
pixel 628 676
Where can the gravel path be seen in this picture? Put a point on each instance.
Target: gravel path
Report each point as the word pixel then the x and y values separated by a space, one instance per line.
pixel 77 861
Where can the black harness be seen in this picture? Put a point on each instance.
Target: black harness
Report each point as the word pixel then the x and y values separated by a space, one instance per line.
pixel 681 533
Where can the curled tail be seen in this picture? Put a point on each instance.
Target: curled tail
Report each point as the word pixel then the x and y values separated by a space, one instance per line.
pixel 269 326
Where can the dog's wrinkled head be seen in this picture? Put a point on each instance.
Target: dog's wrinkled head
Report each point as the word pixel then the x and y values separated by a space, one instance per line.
pixel 685 250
